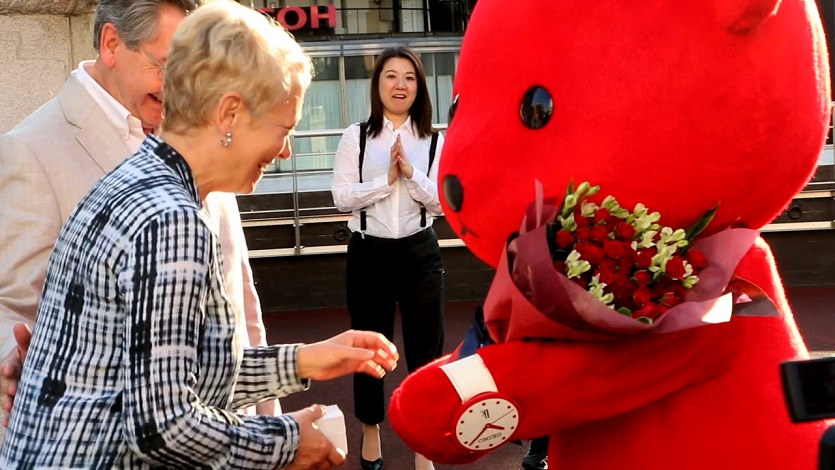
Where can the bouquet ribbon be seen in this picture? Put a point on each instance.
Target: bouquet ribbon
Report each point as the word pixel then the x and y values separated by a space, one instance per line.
pixel 529 299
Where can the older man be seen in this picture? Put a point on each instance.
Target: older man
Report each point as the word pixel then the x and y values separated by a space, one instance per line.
pixel 51 159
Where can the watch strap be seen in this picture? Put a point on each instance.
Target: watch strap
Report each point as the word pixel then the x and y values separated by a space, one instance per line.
pixel 470 377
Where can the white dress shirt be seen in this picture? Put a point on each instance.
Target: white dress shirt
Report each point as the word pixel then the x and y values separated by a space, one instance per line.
pixel 129 127
pixel 392 211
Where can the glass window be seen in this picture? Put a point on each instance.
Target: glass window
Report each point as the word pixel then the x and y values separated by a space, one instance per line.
pixel 358 88
pixel 339 96
pixel 411 16
pixel 365 16
pixel 440 72
pixel 322 110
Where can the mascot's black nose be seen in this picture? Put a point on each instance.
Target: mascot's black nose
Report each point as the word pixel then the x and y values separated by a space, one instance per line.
pixel 453 192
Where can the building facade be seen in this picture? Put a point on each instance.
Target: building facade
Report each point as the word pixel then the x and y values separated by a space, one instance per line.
pixel 296 237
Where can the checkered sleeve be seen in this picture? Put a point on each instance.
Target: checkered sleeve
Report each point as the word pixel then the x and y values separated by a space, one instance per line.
pixel 268 372
pixel 164 283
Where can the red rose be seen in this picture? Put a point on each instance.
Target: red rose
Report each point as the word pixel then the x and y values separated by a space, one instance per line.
pixel 622 288
pixel 641 297
pixel 670 299
pixel 645 311
pixel 559 266
pixel 624 231
pixel 643 277
pixel 589 252
pixel 613 249
pixel 582 233
pixel 610 264
pixel 629 255
pixel 643 259
pixel 679 290
pixel 675 267
pixel 599 233
pixel 601 214
pixel 564 239
pixel 659 310
pixel 606 274
pixel 696 258
pixel 581 221
pixel 665 282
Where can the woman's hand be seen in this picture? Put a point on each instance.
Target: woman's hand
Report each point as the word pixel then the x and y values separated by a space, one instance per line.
pixel 11 368
pixel 406 168
pixel 347 353
pixel 315 451
pixel 394 165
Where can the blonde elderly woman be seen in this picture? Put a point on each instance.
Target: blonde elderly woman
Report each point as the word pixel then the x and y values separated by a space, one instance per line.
pixel 134 362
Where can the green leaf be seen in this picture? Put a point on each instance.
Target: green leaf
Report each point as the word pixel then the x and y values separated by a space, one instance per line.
pixel 694 230
pixel 624 311
pixel 646 320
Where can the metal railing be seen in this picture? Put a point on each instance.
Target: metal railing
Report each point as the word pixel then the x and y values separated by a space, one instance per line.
pixel 272 218
pixel 297 220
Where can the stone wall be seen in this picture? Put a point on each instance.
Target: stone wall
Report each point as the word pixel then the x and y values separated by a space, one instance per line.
pixel 41 42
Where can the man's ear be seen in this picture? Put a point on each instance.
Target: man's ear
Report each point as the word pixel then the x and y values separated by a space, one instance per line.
pixel 109 44
pixel 229 111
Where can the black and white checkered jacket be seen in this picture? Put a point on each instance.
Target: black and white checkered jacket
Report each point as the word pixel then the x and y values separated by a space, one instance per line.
pixel 134 361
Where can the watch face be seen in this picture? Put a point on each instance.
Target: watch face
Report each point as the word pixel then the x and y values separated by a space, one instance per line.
pixel 486 423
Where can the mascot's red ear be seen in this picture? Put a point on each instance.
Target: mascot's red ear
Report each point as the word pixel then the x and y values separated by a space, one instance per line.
pixel 741 16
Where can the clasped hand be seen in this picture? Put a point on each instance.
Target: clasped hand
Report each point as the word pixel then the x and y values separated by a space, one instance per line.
pixel 399 164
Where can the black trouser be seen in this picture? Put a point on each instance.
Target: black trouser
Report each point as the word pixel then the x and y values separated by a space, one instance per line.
pixel 385 273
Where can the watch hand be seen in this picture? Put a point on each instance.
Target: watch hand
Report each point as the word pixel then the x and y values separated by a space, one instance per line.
pixel 502 416
pixel 494 426
pixel 485 428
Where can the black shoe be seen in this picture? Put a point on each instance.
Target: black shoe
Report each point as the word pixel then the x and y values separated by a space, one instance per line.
pixel 369 465
pixel 535 462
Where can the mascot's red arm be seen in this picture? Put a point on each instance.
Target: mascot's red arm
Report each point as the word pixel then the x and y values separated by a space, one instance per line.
pixel 628 375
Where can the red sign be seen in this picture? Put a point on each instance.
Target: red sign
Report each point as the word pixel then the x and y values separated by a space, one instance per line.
pixel 294 18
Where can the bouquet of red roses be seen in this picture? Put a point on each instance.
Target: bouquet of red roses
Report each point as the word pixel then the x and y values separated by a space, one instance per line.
pixel 590 271
pixel 626 259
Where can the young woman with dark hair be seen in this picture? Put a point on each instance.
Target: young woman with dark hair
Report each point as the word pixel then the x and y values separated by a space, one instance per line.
pixel 385 174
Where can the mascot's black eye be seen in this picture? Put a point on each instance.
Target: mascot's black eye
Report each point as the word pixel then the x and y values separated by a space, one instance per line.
pixel 452 108
pixel 536 107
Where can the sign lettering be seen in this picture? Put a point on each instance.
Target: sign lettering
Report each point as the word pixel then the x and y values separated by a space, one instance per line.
pixel 295 18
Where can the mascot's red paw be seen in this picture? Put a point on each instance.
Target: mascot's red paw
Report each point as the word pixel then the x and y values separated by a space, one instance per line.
pixel 425 407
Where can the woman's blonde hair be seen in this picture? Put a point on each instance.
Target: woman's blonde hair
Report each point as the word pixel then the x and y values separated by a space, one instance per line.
pixel 225 47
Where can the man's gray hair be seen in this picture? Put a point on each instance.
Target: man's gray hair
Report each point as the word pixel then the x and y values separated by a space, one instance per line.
pixel 135 20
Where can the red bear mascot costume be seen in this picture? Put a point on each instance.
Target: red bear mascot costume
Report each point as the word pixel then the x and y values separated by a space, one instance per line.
pixel 709 113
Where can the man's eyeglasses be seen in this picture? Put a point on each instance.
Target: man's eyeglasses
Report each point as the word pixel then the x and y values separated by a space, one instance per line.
pixel 159 66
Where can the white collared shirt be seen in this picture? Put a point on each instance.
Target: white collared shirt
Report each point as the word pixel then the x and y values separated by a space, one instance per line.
pixel 392 211
pixel 129 127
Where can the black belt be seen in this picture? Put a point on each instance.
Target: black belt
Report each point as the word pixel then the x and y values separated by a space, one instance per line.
pixel 418 237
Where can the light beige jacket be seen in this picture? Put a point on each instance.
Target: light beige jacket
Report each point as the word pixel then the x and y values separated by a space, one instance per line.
pixel 47 164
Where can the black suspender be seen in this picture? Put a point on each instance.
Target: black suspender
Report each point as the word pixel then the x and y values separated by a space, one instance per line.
pixel 432 146
pixel 363 130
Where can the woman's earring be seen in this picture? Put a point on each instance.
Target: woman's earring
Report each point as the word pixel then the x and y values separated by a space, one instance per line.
pixel 228 141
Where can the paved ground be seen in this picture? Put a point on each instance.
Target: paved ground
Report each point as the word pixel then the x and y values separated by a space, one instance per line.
pixel 814 308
